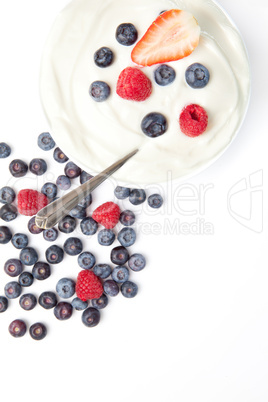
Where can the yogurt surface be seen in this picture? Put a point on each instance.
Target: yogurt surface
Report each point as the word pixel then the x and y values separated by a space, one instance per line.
pixel 95 134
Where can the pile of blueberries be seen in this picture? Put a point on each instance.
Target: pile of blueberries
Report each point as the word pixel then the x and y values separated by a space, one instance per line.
pixel 73 246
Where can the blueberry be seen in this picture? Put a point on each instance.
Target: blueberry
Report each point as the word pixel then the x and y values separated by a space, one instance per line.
pixel 86 260
pixel 67 224
pixel 84 176
pixel 127 218
pixel 78 304
pixel 45 141
pixel 164 75
pixel 126 34
pixel 102 270
pixel 50 190
pixel 17 328
pixel 136 262
pixel 13 267
pixel 12 290
pixel 101 302
pixel 106 237
pixel 3 304
pixel 126 237
pixel 73 246
pixel 65 288
pixel 63 311
pixel 38 331
pixel 78 212
pixel 71 170
pixel 89 226
pixel 8 212
pixel 50 234
pixel 137 196
pixel 103 57
pixel 38 166
pixel 47 300
pixel 99 91
pixel 155 200
pixel 32 226
pixel 5 235
pixel 28 301
pixel 91 317
pixel 59 156
pixel 54 254
pixel 41 271
pixel 18 168
pixel 129 289
pixel 63 182
pixel 28 256
pixel 26 279
pixel 110 287
pixel 86 201
pixel 5 150
pixel 120 274
pixel 121 192
pixel 7 195
pixel 197 76
pixel 119 255
pixel 19 240
pixel 154 124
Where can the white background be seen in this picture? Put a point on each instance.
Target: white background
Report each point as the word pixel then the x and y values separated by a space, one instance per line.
pixel 198 329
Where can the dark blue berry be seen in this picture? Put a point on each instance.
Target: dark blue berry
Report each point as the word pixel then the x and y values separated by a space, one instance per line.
pixel 106 237
pixel 63 311
pixel 89 226
pixel 41 271
pixel 78 212
pixel 119 255
pixel 28 301
pixel 84 176
pixel 126 237
pixel 67 224
pixel 73 246
pixel 155 201
pixel 127 218
pixel 102 270
pixel 13 267
pixel 86 260
pixel 47 300
pixel 110 287
pixel 99 91
pixel 26 279
pixel 18 168
pixel 50 234
pixel 164 75
pixel 17 328
pixel 197 76
pixel 120 274
pixel 32 226
pixel 45 141
pixel 86 201
pixel 126 34
pixel 63 182
pixel 28 256
pixel 136 262
pixel 12 290
pixel 59 156
pixel 5 150
pixel 65 288
pixel 8 212
pixel 38 331
pixel 103 57
pixel 78 304
pixel 137 196
pixel 154 124
pixel 19 240
pixel 5 235
pixel 71 170
pixel 54 254
pixel 91 317
pixel 38 166
pixel 129 289
pixel 7 195
pixel 3 304
pixel 50 190
pixel 101 302
pixel 121 192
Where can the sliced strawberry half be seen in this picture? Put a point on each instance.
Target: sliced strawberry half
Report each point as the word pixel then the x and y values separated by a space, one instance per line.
pixel 172 36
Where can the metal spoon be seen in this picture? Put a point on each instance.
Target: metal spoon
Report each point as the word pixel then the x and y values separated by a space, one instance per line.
pixel 49 216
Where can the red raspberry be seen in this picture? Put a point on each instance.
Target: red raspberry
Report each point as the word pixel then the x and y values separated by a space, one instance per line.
pixel 193 120
pixel 30 202
pixel 133 84
pixel 88 286
pixel 107 214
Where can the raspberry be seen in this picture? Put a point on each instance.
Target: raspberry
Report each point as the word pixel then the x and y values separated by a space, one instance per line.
pixel 133 84
pixel 193 120
pixel 88 286
pixel 30 202
pixel 107 214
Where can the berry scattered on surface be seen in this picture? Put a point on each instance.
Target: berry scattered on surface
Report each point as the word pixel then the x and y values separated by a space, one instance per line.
pixel 88 226
pixel 119 255
pixel 154 124
pixel 12 290
pixel 126 34
pixel 102 270
pixel 26 279
pixel 84 176
pixel 110 287
pixel 99 91
pixel 19 240
pixel 67 224
pixel 78 304
pixel 91 317
pixel 193 120
pixel 73 246
pixel 86 201
pixel 86 260
pixel 3 304
pixel 60 156
pixel 103 57
pixel 7 195
pixel 197 76
pixel 137 196
pixel 41 270
pixel 65 288
pixel 88 285
pixel 107 214
pixel 155 201
pixel 121 192
pixel 126 237
pixel 28 256
pixel 38 166
pixel 106 237
pixel 120 274
pixel 133 84
pixel 28 301
pixel 50 190
pixel 33 228
pixel 5 234
pixel 63 311
pixel 127 218
pixel 30 202
pixel 129 289
pixel 78 212
pixel 8 212
pixel 18 168
pixel 63 182
pixel 13 267
pixel 71 170
pixel 164 75
pixel 50 234
pixel 101 302
pixel 5 150
pixel 47 300
pixel 136 262
pixel 38 331
pixel 45 141
pixel 17 328
pixel 54 254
